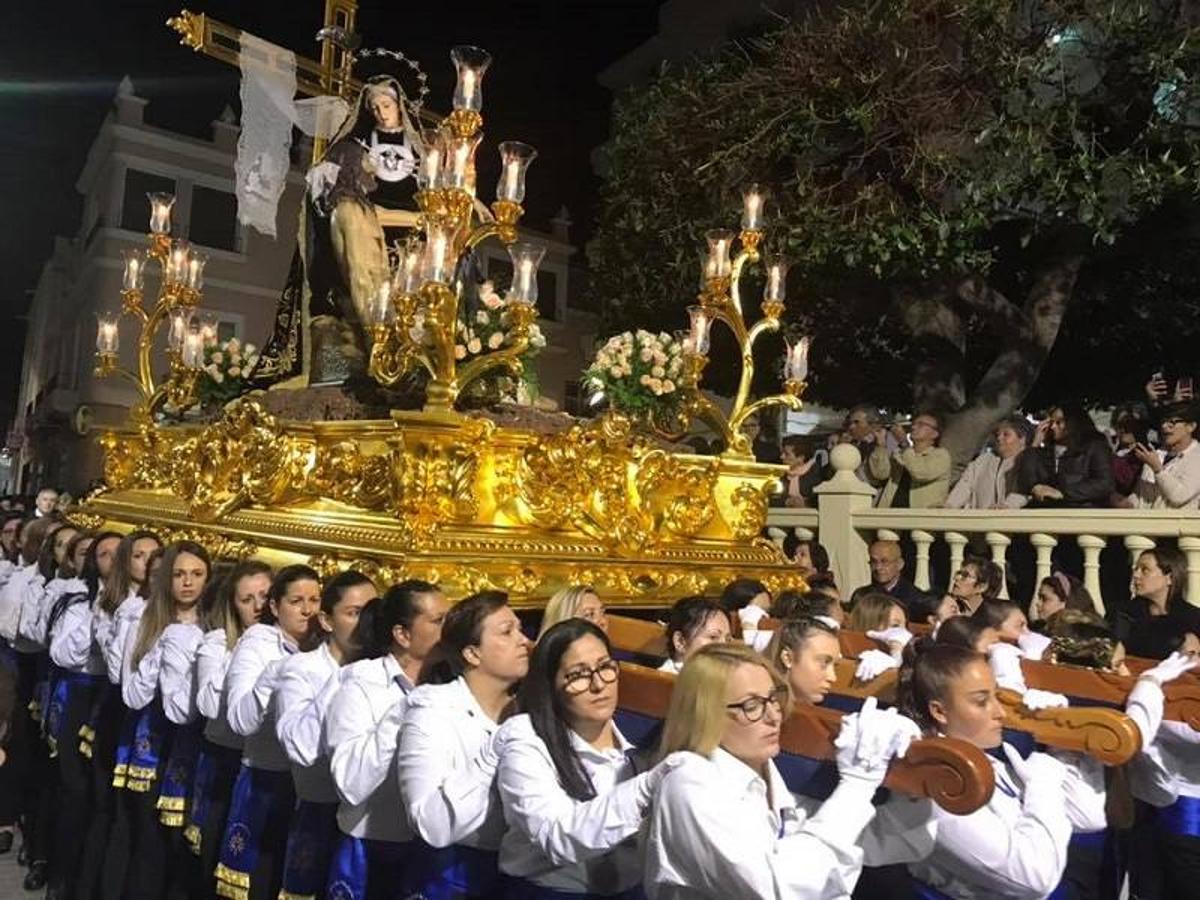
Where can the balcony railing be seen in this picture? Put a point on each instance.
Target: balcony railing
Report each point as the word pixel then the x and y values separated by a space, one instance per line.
pixel 845 523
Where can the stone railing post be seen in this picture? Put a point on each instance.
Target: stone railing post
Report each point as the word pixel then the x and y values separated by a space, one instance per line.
pixel 1043 545
pixel 1091 546
pixel 998 543
pixel 838 499
pixel 1191 549
pixel 958 546
pixel 1136 544
pixel 922 540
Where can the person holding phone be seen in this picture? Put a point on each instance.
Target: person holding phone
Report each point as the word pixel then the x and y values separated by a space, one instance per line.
pixel 1170 476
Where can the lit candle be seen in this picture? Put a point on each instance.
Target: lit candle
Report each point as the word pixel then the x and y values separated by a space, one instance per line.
pixel 526 257
pixel 698 338
pixel 515 158
pixel 431 164
pixel 435 254
pixel 178 330
pixel 193 349
pixel 108 336
pixel 468 89
pixel 795 366
pixel 470 64
pixel 178 263
pixel 160 212
pixel 720 242
pixel 776 286
pixel 410 267
pixel 195 271
pixel 753 201
pixel 381 309
pixel 459 167
pixel 135 270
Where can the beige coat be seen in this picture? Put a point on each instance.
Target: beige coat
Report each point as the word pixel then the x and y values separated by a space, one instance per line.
pixel 928 469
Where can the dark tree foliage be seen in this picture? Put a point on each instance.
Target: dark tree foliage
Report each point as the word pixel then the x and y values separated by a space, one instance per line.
pixel 954 179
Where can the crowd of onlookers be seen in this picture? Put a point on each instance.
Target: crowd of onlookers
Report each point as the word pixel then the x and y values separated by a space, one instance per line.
pixel 1147 459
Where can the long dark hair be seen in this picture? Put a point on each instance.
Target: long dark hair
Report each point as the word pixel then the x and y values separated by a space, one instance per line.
pixel 961 631
pixel 399 606
pixel 47 564
pixel 285 578
pixel 541 697
pixel 1172 563
pixel 688 616
pixel 993 613
pixel 119 581
pixel 220 609
pixel 331 595
pixel 462 628
pixel 160 605
pixel 4 520
pixel 89 575
pixel 1080 429
pixel 739 592
pixel 925 675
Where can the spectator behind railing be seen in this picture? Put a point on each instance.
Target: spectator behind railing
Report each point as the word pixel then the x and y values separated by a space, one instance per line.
pixel 990 480
pixel 1158 610
pixel 1058 592
pixel 918 471
pixel 1131 427
pixel 863 425
pixel 976 582
pixel 1170 477
pixel 887 567
pixel 1070 463
pixel 808 555
pixel 804 473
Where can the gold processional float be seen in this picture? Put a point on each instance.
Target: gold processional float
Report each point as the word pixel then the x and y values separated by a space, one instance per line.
pixel 436 493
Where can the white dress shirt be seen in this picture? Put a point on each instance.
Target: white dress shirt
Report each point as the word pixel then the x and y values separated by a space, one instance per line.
pixel 903 831
pixel 554 840
pixel 35 614
pixel 249 685
pixel 362 730
pixel 28 638
pixel 11 596
pixel 139 684
pixel 1016 845
pixel 1168 767
pixel 103 628
pixel 447 770
pixel 128 615
pixel 71 644
pixel 985 483
pixel 307 682
pixel 1175 486
pixel 177 674
pixel 212 660
pixel 718 830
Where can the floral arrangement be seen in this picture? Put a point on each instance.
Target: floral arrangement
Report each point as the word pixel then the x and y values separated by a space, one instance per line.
pixel 638 372
pixel 488 331
pixel 226 365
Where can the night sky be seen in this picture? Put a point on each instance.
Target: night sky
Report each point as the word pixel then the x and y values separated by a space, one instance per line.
pixel 61 62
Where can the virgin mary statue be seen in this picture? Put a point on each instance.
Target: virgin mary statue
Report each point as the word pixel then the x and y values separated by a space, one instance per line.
pixel 359 200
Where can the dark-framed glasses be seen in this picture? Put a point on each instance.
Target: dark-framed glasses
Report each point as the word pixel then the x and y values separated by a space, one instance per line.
pixel 754 707
pixel 580 680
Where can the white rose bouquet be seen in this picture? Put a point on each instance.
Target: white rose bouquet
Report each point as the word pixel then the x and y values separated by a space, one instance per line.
pixel 639 372
pixel 226 365
pixel 490 330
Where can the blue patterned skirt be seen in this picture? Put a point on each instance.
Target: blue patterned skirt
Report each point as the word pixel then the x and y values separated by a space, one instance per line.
pixel 258 797
pixel 216 768
pixel 175 791
pixel 311 837
pixel 362 863
pixel 457 872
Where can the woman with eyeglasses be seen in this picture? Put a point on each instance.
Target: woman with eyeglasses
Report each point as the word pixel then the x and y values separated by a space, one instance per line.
pixel 573 799
pixel 580 601
pixel 724 824
pixel 976 582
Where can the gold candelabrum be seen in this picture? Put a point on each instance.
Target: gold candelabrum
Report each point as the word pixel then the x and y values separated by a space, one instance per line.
pixel 720 301
pixel 414 314
pixel 180 291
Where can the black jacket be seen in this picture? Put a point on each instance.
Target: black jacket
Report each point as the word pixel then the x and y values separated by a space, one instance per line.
pixel 1084 476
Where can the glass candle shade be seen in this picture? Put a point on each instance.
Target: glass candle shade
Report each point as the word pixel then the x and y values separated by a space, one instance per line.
pixel 701 326
pixel 526 257
pixel 776 283
pixel 177 330
pixel 515 158
pixel 435 262
pixel 754 198
pixel 178 263
pixel 470 63
pixel 429 173
pixel 108 335
pixel 720 243
pixel 195 271
pixel 381 310
pixel 193 348
pixel 135 270
pixel 795 363
pixel 408 267
pixel 458 164
pixel 160 212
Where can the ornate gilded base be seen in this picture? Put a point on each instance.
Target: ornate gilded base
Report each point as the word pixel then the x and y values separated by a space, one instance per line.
pixel 453 499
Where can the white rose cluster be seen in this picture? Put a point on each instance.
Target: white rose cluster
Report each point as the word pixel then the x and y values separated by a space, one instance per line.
pixel 638 361
pixel 226 365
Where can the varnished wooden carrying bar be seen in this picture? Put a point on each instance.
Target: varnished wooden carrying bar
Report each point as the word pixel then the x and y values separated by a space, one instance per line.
pixel 954 774
pixel 637 636
pixel 1182 695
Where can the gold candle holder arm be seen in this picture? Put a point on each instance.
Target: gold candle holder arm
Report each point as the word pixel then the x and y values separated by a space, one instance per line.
pixel 509 357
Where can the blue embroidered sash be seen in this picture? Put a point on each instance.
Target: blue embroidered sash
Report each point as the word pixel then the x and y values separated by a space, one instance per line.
pixel 357 861
pixel 69 687
pixel 457 872
pixel 177 776
pixel 1182 817
pixel 309 849
pixel 257 794
pixel 151 732
pixel 124 748
pixel 215 766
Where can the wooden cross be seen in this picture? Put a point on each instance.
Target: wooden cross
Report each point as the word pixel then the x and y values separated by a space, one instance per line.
pixel 331 76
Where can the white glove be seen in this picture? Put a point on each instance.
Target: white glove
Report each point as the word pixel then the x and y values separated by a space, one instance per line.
pixel 897 634
pixel 873 663
pixel 1005 660
pixel 1033 645
pixel 1170 668
pixel 868 741
pixel 1033 700
pixel 321 178
pixel 1039 769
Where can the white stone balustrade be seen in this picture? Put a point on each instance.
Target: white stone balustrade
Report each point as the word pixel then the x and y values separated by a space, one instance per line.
pixel 845 523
